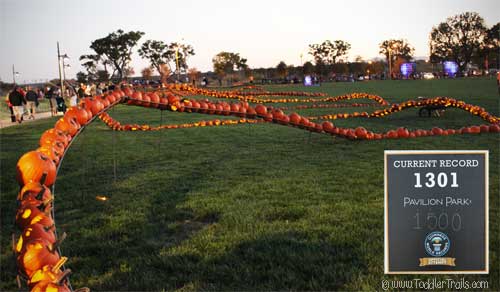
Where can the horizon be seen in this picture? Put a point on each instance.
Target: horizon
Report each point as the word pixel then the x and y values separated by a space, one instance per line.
pixel 274 32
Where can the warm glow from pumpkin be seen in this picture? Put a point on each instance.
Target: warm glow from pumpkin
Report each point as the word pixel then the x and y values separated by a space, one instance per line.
pixel 26 213
pixel 101 198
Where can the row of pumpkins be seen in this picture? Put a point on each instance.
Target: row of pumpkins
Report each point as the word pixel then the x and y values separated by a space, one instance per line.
pixel 38 259
pixel 270 114
pixel 37 247
pixel 250 97
pixel 117 126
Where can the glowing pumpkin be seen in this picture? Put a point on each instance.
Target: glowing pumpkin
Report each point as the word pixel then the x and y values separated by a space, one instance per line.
pixel 35 167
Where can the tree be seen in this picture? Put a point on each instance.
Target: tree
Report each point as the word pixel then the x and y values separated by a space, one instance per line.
pixel 81 77
pixel 226 63
pixel 158 54
pixel 181 53
pixel 128 72
pixel 308 68
pixel 459 38
pixel 116 50
pixel 397 49
pixel 102 75
pixel 329 53
pixel 147 73
pixel 492 45
pixel 282 70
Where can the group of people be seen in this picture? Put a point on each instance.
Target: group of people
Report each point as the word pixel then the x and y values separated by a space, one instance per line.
pixel 19 98
pixel 26 100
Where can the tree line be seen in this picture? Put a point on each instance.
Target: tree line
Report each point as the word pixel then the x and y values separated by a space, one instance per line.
pixel 463 38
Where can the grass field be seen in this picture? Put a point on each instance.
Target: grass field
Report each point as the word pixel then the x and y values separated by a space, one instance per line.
pixel 247 207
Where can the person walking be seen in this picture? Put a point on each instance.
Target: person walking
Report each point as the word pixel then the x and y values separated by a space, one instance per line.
pixel 73 99
pixel 17 101
pixel 31 101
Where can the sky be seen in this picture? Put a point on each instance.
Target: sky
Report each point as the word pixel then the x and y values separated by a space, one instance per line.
pixel 263 31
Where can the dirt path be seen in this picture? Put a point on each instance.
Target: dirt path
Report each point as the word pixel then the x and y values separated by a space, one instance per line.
pixel 8 123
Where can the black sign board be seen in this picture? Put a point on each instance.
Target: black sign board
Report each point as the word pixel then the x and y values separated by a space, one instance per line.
pixel 436 212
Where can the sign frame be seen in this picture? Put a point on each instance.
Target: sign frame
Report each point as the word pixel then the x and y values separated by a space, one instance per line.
pixel 386 222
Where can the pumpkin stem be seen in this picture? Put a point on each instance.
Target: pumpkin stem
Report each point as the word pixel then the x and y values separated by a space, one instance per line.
pixel 60 279
pixel 59 264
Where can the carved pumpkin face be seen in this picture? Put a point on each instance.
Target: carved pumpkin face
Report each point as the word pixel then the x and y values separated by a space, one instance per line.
pixel 35 194
pixel 28 214
pixel 50 152
pixel 33 232
pixel 37 254
pixel 51 135
pixel 68 126
pixel 48 274
pixel 35 166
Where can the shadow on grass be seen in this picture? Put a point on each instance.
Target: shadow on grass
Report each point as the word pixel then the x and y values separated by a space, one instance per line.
pixel 281 261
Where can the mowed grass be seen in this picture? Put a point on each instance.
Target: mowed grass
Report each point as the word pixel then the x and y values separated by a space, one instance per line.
pixel 246 207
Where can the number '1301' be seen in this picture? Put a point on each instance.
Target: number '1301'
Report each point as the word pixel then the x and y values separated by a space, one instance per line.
pixel 431 180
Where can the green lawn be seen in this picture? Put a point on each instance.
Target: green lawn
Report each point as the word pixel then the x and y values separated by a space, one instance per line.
pixel 247 207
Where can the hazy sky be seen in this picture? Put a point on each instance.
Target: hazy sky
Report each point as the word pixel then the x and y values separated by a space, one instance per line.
pixel 263 31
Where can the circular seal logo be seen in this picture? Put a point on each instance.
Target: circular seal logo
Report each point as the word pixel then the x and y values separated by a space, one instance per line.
pixel 437 244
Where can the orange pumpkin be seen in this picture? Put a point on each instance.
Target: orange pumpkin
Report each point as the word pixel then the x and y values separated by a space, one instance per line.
pixel 36 167
pixel 437 131
pixel 96 107
pixel 69 127
pixel 37 254
pixel 33 232
pixel 360 132
pixel 261 110
pixel 295 118
pixel 51 135
pixel 29 214
pixel 251 113
pixel 49 273
pixel 50 152
pixel 35 194
pixel 403 132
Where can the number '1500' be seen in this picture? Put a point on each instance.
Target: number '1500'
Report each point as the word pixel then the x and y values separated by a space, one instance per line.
pixel 431 180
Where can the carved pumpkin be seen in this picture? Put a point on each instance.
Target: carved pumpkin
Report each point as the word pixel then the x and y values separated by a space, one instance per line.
pixel 35 194
pixel 68 126
pixel 51 135
pixel 50 152
pixel 27 215
pixel 33 232
pixel 37 254
pixel 36 167
pixel 49 273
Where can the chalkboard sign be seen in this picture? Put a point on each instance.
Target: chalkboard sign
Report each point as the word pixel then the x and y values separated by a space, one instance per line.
pixel 436 212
